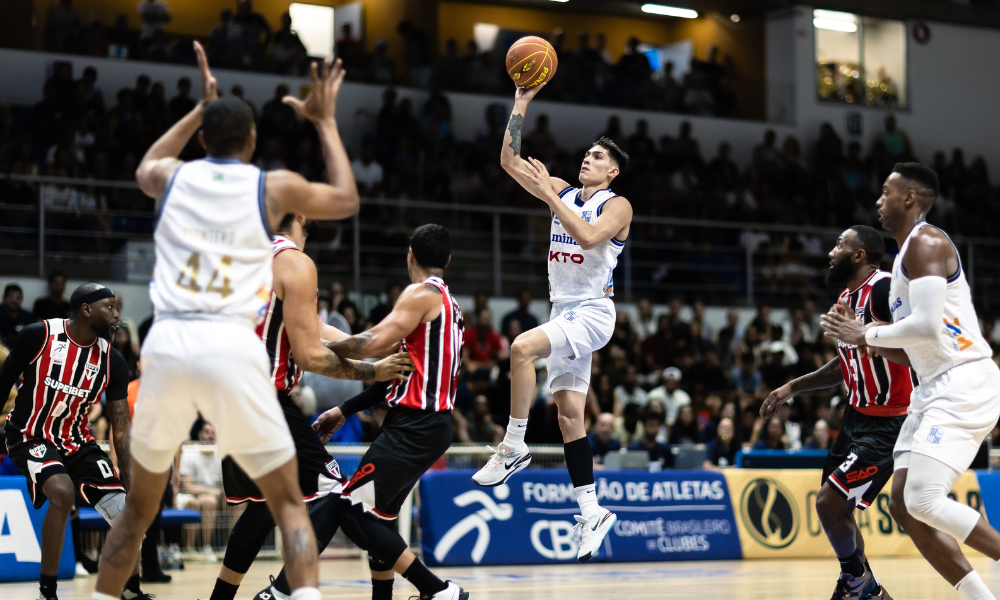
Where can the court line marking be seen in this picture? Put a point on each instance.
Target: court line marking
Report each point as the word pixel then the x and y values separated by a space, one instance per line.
pixel 571 511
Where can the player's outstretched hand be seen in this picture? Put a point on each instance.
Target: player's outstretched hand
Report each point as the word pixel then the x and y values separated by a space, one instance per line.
pixel 398 366
pixel 328 423
pixel 209 91
pixel 537 181
pixel 321 102
pixel 527 93
pixel 775 399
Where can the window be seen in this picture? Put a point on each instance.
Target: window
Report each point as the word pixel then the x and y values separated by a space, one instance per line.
pixel 314 24
pixel 860 60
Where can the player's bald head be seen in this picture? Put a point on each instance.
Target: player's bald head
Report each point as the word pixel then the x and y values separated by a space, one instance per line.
pixel 921 179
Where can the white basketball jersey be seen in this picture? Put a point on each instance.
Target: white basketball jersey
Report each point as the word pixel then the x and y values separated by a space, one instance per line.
pixel 213 243
pixel 578 274
pixel 959 340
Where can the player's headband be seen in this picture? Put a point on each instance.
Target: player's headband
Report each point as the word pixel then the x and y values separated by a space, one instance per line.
pixel 94 296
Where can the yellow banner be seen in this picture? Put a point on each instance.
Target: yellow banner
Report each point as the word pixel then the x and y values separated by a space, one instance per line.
pixel 776 515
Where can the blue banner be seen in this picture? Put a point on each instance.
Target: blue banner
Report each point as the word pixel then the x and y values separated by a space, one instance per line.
pixel 670 515
pixel 21 535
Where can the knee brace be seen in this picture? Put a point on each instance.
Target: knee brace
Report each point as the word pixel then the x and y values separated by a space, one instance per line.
pixel 926 497
pixel 378 538
pixel 569 381
pixel 376 564
pixel 111 505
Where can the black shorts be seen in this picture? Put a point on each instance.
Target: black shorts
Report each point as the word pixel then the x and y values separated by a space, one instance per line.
pixel 409 443
pixel 319 473
pixel 860 462
pixel 89 468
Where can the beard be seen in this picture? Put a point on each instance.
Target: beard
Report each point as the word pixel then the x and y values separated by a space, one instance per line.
pixel 108 332
pixel 839 273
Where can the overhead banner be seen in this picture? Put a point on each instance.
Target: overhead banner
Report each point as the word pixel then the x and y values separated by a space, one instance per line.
pixel 776 515
pixel 670 515
pixel 21 535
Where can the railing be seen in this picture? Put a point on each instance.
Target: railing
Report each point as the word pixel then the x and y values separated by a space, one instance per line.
pixel 48 221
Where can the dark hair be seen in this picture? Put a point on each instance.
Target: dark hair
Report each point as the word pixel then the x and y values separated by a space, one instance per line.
pixel 431 245
pixel 651 415
pixel 921 175
pixel 619 156
pixel 55 274
pixel 226 125
pixel 12 287
pixel 871 242
pixel 286 223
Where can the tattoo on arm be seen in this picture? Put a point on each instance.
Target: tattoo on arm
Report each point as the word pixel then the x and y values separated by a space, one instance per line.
pixel 343 368
pixel 352 347
pixel 514 127
pixel 826 376
pixel 121 426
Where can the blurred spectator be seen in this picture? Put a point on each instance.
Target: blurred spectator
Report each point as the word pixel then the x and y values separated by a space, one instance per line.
pixel 483 346
pixel 820 439
pixel 773 437
pixel 153 14
pixel 658 451
pixel 602 438
pixel 128 322
pixel 367 171
pixel 60 21
pixel 276 117
pixel 747 379
pixel 894 142
pixel 645 325
pixel 629 391
pixel 721 451
pixel 660 350
pixel 521 314
pixel 632 76
pixel 182 103
pixel 381 310
pixel 221 39
pixel 13 318
pixel 251 34
pixel 289 52
pixel 481 428
pixel 685 429
pixel 628 429
pixel 201 480
pixel 122 344
pixel 381 68
pixel 670 394
pixel 418 53
pixel 52 306
pixel 351 51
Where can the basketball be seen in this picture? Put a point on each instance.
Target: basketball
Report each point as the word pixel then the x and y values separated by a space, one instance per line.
pixel 531 61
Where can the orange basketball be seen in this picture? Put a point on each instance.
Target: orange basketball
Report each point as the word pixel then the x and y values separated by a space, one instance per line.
pixel 530 61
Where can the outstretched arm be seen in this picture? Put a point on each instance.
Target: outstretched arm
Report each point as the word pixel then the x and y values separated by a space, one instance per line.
pixel 826 376
pixel 417 304
pixel 510 154
pixel 160 161
pixel 289 192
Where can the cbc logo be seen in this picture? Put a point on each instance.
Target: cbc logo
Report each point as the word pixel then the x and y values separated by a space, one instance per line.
pixel 770 513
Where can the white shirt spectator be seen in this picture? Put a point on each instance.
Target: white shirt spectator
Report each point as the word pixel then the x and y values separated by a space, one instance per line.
pixel 622 396
pixel 205 468
pixel 368 175
pixel 672 402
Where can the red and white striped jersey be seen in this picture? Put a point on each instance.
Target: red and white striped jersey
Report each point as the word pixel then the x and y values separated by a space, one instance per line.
pixel 436 350
pixel 876 386
pixel 61 381
pixel 285 374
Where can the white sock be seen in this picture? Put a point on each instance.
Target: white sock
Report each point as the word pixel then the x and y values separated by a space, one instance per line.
pixel 306 593
pixel 971 587
pixel 280 595
pixel 515 432
pixel 100 596
pixel 586 496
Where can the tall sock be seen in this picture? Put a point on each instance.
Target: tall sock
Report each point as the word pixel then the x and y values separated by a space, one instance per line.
pixel 132 588
pixel 382 589
pixel 971 587
pixel 869 567
pixel 852 565
pixel 281 584
pixel 306 593
pixel 421 577
pixel 224 590
pixel 47 585
pixel 586 497
pixel 580 464
pixel 515 432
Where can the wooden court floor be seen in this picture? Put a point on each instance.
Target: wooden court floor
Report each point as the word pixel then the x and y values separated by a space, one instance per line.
pixel 905 578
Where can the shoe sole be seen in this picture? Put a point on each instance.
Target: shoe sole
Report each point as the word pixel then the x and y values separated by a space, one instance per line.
pixel 524 462
pixel 587 557
pixel 463 595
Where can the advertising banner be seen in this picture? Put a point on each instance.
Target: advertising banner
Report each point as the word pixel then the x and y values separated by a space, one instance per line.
pixel 21 535
pixel 776 515
pixel 670 515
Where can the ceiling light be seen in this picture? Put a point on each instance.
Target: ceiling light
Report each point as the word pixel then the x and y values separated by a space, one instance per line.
pixel 560 0
pixel 735 18
pixel 670 11
pixel 835 15
pixel 835 25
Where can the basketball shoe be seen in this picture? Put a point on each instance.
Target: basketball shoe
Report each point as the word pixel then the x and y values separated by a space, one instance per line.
pixel 452 592
pixel 592 532
pixel 855 588
pixel 505 462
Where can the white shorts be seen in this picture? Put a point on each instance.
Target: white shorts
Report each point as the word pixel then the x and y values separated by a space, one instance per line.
pixel 950 415
pixel 220 369
pixel 586 327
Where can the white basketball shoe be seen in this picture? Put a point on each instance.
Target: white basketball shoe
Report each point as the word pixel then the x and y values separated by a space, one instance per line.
pixel 592 532
pixel 505 462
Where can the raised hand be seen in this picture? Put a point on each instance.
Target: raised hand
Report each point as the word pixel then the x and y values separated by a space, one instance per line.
pixel 209 86
pixel 398 366
pixel 527 93
pixel 321 102
pixel 536 178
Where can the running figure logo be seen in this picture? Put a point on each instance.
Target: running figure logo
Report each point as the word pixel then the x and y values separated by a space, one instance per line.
pixel 478 520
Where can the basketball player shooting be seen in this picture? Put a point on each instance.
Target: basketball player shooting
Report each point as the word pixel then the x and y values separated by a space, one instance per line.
pixel 958 400
pixel 211 287
pixel 860 462
pixel 589 227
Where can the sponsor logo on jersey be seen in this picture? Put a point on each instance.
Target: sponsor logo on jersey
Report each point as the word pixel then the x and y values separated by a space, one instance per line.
pixel 861 474
pixel 69 390
pixel 59 351
pixel 896 304
pixel 37 451
pixel 90 370
pixel 935 435
pixel 562 238
pixel 859 312
pixel 556 256
pixel 587 215
pixel 570 315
